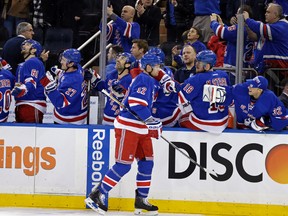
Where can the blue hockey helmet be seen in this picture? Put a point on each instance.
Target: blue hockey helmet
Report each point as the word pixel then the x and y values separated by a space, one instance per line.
pixel 158 52
pixel 129 58
pixel 72 55
pixel 35 45
pixel 149 59
pixel 207 56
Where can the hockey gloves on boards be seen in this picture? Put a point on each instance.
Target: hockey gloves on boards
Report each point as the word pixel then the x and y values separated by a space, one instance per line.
pixel 19 90
pixel 214 94
pixel 154 127
pixel 256 124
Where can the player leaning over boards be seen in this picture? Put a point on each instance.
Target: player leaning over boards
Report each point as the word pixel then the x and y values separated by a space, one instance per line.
pixel 257 107
pixel 208 115
pixel 133 141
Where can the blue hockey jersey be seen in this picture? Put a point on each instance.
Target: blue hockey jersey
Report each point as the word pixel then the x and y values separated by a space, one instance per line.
pixel 229 34
pixel 267 106
pixel 70 98
pixel 29 73
pixel 7 81
pixel 138 99
pixel 275 46
pixel 122 33
pixel 208 117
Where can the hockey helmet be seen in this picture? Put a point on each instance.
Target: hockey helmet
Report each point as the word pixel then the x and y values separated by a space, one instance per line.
pixel 207 56
pixel 35 45
pixel 72 55
pixel 158 52
pixel 149 59
pixel 129 58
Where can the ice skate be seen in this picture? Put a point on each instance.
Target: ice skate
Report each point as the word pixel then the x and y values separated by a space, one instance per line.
pixel 142 204
pixel 96 201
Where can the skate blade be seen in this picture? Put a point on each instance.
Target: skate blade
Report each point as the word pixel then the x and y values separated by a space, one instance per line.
pixel 89 202
pixel 144 212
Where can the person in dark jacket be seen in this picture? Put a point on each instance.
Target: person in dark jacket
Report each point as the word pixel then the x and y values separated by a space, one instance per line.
pixel 148 16
pixel 178 18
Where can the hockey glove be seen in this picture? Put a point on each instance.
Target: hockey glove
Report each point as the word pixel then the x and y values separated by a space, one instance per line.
pixel 48 83
pixel 154 127
pixel 213 94
pixel 51 87
pixel 248 121
pixel 55 70
pixel 259 125
pixel 5 65
pixel 19 90
pixel 93 76
pixel 117 89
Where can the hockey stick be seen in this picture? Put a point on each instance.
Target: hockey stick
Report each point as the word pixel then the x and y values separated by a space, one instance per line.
pixel 212 172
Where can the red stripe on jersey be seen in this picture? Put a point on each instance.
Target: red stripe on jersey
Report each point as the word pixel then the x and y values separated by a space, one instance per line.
pixel 109 181
pixel 198 121
pixel 131 101
pixel 174 117
pixel 78 118
pixel 265 33
pixel 132 124
pixel 219 32
pixel 127 32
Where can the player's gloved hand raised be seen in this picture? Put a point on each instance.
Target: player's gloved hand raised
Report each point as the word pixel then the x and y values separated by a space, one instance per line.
pixel 154 127
pixel 117 89
pixel 55 70
pixel 19 90
pixel 93 76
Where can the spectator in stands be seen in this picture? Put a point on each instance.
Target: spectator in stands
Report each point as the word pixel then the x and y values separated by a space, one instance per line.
pixel 148 16
pixel 178 17
pixel 68 93
pixel 188 70
pixel 123 30
pixel 218 46
pixel 17 12
pixel 229 34
pixel 119 4
pixel 7 81
pixel 202 11
pixel 28 92
pixel 12 48
pixel 69 16
pixel 192 38
pixel 275 46
pixel 112 54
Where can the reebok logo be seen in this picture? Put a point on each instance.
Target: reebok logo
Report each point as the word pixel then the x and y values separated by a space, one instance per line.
pixel 30 159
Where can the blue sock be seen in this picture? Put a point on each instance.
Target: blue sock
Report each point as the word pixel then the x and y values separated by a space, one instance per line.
pixel 143 178
pixel 113 176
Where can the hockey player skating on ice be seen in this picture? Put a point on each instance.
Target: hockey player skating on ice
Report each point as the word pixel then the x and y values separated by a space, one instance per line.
pixel 133 141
